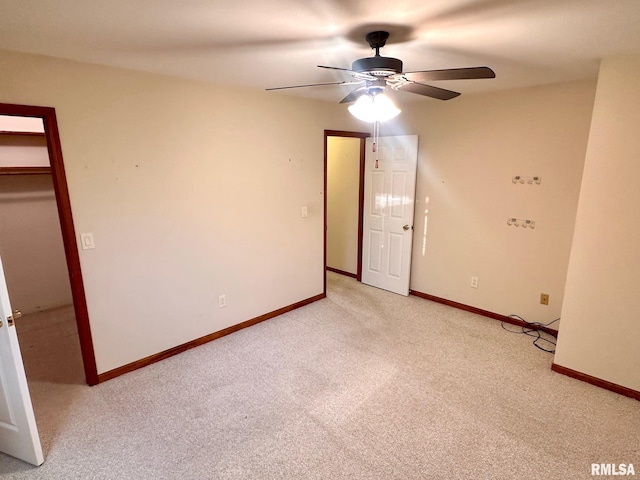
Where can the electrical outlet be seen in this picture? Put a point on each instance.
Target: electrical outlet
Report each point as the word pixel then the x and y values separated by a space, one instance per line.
pixel 544 298
pixel 222 301
pixel 474 282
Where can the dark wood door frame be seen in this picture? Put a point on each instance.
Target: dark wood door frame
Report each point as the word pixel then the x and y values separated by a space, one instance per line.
pixel 363 141
pixel 63 202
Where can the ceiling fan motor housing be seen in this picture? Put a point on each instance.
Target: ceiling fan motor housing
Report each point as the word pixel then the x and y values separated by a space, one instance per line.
pixel 378 66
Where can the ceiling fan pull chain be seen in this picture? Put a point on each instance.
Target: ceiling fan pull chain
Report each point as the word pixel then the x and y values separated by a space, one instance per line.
pixel 376 134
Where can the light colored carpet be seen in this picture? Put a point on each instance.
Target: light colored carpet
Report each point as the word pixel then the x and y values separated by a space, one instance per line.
pixel 362 385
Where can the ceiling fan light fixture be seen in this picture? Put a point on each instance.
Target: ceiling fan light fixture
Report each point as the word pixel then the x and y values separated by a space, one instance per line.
pixel 374 108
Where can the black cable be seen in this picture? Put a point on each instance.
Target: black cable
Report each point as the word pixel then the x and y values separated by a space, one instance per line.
pixel 534 329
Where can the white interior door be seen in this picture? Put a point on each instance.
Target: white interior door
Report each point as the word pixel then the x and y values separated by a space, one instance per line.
pixel 389 192
pixel 18 432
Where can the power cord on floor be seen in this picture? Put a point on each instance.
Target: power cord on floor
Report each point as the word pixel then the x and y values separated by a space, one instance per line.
pixel 533 329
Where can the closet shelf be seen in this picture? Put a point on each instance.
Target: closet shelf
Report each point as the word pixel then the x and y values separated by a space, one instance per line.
pixel 24 170
pixel 28 134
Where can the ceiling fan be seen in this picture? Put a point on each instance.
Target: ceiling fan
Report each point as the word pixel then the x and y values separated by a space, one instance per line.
pixel 375 74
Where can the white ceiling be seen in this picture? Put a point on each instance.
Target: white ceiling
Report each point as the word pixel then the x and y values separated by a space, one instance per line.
pixel 269 43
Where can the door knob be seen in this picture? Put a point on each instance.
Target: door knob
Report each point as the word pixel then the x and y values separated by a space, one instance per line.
pixel 407 227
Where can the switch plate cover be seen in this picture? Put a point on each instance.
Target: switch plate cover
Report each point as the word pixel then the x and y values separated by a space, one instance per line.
pixel 86 241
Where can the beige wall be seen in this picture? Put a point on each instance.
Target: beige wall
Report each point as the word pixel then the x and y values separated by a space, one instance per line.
pixel 191 191
pixel 31 244
pixel 470 148
pixel 343 183
pixel 600 314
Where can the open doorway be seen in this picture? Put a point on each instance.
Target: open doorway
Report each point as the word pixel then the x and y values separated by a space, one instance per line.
pixel 384 213
pixel 344 157
pixel 38 188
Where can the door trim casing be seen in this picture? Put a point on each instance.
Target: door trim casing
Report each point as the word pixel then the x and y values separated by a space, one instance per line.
pixel 363 137
pixel 63 202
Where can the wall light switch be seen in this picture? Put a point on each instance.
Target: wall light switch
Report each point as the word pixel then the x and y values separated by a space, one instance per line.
pixel 305 212
pixel 86 241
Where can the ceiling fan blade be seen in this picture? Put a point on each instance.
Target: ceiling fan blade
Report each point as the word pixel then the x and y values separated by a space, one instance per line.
pixel 364 76
pixel 450 74
pixel 428 91
pixel 336 68
pixel 353 96
pixel 313 85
